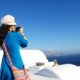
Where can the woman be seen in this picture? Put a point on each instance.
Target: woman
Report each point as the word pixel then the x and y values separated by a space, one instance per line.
pixel 12 41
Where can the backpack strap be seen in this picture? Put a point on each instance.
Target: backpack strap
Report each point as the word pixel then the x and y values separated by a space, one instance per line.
pixel 6 52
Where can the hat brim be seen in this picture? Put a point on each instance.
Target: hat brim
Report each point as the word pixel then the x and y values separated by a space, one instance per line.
pixel 12 23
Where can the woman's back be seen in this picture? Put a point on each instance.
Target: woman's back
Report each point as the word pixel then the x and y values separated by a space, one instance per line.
pixel 12 41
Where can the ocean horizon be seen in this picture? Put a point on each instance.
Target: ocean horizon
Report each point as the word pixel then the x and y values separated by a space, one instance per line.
pixel 66 59
pixel 63 57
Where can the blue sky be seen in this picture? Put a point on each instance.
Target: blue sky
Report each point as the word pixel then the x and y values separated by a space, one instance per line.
pixel 48 24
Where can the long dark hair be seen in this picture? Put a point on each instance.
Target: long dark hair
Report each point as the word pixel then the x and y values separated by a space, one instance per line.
pixel 3 32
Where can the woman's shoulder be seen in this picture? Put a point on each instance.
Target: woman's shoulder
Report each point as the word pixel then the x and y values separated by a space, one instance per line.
pixel 9 32
pixel 18 34
pixel 14 33
pixel 10 35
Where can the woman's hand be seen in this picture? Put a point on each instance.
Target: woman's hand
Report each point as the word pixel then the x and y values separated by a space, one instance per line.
pixel 24 36
pixel 22 32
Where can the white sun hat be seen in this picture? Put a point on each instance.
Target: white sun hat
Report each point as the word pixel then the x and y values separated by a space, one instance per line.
pixel 8 20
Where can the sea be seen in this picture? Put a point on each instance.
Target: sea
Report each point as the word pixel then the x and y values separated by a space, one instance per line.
pixel 66 59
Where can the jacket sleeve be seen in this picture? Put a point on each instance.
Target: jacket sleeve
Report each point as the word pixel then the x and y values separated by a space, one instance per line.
pixel 21 40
